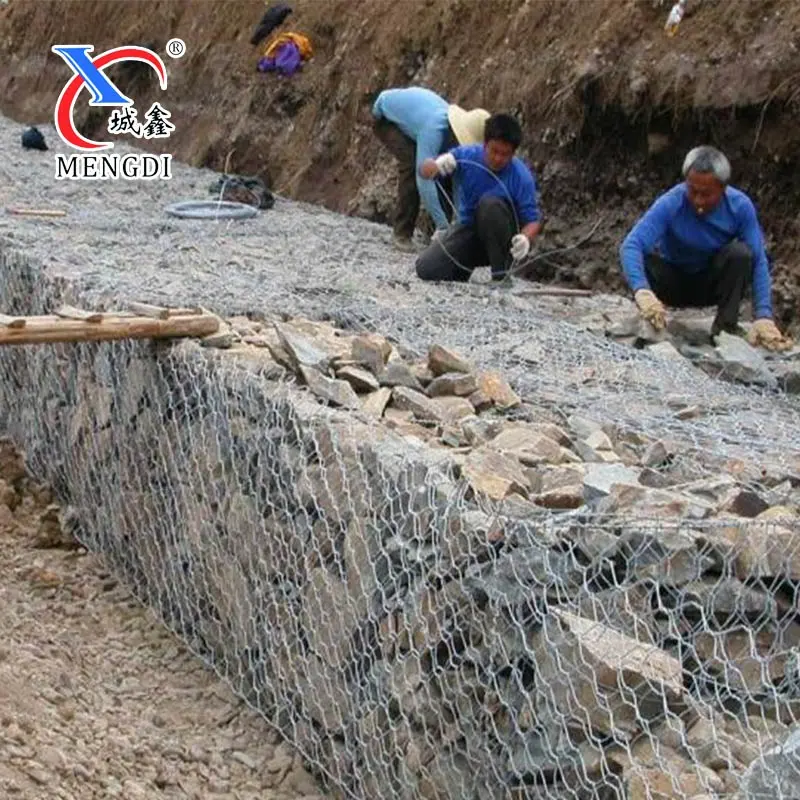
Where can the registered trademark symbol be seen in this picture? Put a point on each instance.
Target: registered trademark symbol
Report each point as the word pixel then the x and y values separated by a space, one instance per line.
pixel 176 48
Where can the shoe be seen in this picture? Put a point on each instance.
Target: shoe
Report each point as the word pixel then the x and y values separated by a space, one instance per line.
pixel 404 243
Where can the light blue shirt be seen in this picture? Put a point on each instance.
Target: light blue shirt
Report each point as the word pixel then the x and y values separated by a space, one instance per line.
pixel 686 241
pixel 422 116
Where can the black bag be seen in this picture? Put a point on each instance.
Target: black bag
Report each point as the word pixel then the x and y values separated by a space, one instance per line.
pixel 273 17
pixel 241 189
pixel 32 139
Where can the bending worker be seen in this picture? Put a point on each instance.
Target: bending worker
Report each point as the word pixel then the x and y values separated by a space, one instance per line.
pixel 700 244
pixel 415 124
pixel 498 216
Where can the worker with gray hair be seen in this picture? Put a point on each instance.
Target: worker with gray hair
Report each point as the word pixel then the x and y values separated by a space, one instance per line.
pixel 700 244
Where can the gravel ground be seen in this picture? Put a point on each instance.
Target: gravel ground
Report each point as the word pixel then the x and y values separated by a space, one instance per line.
pixel 98 700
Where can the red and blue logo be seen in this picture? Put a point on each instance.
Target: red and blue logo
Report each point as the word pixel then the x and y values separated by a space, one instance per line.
pixel 89 73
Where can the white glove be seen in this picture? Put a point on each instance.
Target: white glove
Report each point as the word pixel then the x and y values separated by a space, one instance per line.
pixel 439 234
pixel 520 246
pixel 446 163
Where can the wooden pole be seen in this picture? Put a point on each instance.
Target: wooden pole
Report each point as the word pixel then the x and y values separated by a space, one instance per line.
pixel 37 212
pixel 48 329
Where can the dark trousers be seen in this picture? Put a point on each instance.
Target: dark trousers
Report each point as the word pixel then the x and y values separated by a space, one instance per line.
pixel 404 149
pixel 722 285
pixel 465 247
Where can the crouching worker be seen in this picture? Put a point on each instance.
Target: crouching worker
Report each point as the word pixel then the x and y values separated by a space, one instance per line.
pixel 498 217
pixel 700 244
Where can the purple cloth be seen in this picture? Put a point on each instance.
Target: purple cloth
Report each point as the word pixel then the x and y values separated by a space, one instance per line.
pixel 286 61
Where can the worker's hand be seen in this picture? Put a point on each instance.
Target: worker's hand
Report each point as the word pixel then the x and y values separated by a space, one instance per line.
pixel 765 333
pixel 446 164
pixel 651 308
pixel 439 235
pixel 520 246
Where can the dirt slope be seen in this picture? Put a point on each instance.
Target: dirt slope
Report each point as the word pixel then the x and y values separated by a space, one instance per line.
pixel 609 103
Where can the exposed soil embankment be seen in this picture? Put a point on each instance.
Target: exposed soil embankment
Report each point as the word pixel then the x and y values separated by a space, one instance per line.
pixel 610 104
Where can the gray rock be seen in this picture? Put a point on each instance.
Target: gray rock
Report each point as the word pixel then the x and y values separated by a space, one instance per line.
pixel 222 340
pixel 406 399
pixel 742 362
pixel 441 361
pixel 665 350
pixel 371 351
pixel 655 455
pixel 340 393
pixel 360 379
pixel 398 373
pixel 599 478
pixel 301 350
pixel 775 775
pixel 460 384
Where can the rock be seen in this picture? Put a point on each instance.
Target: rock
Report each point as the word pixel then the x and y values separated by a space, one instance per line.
pixel 747 661
pixel 497 389
pixel 788 376
pixel 690 329
pixel 742 362
pixel 656 455
pixel 599 478
pixel 600 677
pixel 559 487
pixel 776 773
pixel 301 351
pixel 494 474
pixel 480 400
pixel 375 403
pixel 441 361
pixel 583 427
pixel 528 445
pixel 370 350
pixel 460 384
pixel 655 503
pixel 337 392
pixel 479 431
pixel 635 327
pixel 744 503
pixel 222 340
pixel 421 406
pixel 329 617
pixel 666 351
pixel 597 446
pixel 452 409
pixel 359 379
pixel 325 695
pixel 768 551
pixel 398 373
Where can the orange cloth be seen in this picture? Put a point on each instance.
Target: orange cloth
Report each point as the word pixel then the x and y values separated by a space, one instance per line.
pixel 303 44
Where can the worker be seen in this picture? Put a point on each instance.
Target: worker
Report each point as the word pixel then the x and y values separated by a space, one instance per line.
pixel 498 216
pixel 700 244
pixel 414 124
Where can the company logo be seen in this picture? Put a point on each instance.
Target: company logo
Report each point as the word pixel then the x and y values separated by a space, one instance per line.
pixel 124 119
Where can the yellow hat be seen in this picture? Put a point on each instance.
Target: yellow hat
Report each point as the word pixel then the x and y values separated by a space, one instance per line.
pixel 467 125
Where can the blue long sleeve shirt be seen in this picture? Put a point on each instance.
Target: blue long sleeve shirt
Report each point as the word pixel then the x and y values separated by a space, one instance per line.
pixel 515 182
pixel 422 116
pixel 686 240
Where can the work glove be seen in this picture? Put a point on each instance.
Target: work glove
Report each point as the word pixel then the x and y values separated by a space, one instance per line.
pixel 765 333
pixel 520 246
pixel 439 234
pixel 446 163
pixel 651 308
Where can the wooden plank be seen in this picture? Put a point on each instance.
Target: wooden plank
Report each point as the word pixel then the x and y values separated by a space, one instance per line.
pixel 70 312
pixel 48 329
pixel 12 322
pixel 183 312
pixel 37 212
pixel 146 310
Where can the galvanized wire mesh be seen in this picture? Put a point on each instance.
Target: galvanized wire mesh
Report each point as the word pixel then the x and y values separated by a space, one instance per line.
pixel 411 639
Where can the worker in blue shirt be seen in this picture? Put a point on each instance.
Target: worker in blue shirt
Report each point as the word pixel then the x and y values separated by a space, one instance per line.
pixel 498 216
pixel 414 124
pixel 700 244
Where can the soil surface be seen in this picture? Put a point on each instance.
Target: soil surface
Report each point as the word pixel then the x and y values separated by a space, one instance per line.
pixel 610 105
pixel 97 699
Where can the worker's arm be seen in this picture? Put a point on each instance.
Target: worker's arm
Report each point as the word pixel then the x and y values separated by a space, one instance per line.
pixel 642 239
pixel 750 233
pixel 429 144
pixel 445 164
